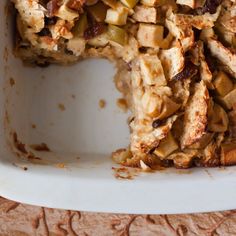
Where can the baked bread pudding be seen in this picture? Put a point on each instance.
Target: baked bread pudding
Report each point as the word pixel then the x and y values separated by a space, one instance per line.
pixel 176 68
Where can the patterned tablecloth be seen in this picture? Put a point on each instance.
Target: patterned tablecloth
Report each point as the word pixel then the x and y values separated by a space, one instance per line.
pixel 22 220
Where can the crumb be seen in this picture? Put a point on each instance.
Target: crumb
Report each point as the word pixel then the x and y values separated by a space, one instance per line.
pixel 73 96
pixel 125 173
pixel 61 107
pixel 43 77
pixel 12 82
pixel 43 147
pixel 25 168
pixel 33 126
pixel 60 165
pixel 78 158
pixel 122 104
pixel 102 103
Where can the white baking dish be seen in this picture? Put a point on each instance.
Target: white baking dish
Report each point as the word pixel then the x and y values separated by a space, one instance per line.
pixel 86 131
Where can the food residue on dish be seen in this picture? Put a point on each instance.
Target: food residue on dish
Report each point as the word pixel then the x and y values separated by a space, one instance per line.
pixel 102 103
pixel 43 147
pixel 22 150
pixel 33 126
pixel 5 54
pixel 7 118
pixel 125 173
pixel 31 156
pixel 61 165
pixel 12 82
pixel 18 144
pixel 19 166
pixel 61 107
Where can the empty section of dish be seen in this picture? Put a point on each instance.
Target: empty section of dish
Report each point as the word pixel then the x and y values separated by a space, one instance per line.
pixel 58 106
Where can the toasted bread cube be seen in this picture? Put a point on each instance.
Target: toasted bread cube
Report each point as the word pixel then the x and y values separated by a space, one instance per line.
pixel 223 54
pixel 223 84
pixel 150 35
pixel 190 3
pixel 172 60
pixel 32 13
pixel 166 146
pixel 117 16
pixel 66 13
pixel 129 3
pixel 145 14
pixel 152 71
pixel 195 117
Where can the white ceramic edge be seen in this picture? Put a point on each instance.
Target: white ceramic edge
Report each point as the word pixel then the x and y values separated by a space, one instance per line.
pixel 188 196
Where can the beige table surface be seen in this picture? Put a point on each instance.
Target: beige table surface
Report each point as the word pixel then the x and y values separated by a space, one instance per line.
pixel 20 220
